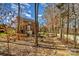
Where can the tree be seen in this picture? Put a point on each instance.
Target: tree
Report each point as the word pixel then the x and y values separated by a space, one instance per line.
pixel 36 23
pixel 5 14
pixel 74 13
pixel 60 7
pixel 18 21
pixel 51 14
pixel 67 22
pixel 48 15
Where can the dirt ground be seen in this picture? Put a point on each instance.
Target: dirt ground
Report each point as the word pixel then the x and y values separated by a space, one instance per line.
pixel 47 47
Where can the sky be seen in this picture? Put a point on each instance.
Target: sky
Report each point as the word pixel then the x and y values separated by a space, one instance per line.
pixel 9 11
pixel 27 11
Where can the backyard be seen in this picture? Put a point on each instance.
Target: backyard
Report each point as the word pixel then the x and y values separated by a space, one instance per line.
pixel 37 29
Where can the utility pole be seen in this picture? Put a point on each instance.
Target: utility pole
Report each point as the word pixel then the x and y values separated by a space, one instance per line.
pixel 36 23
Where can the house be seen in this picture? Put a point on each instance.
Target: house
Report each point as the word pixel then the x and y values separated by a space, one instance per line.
pixel 26 25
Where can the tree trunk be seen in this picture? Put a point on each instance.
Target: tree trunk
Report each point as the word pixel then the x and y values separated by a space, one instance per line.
pixel 67 23
pixel 18 20
pixel 36 23
pixel 61 29
pixel 75 41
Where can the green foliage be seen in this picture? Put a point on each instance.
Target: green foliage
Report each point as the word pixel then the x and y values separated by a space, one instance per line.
pixel 43 33
pixel 60 5
pixel 11 31
pixel 2 34
pixel 43 29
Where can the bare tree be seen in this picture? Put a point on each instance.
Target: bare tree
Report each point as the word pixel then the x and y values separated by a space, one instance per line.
pixel 48 15
pixel 60 7
pixel 18 21
pixel 74 13
pixel 36 23
pixel 67 22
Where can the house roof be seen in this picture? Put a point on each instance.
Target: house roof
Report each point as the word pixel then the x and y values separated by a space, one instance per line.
pixel 26 19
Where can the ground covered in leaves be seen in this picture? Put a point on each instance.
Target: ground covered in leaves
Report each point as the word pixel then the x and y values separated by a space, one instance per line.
pixel 47 47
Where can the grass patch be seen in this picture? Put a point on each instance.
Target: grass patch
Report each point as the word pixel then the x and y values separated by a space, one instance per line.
pixel 11 31
pixel 75 54
pixel 2 34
